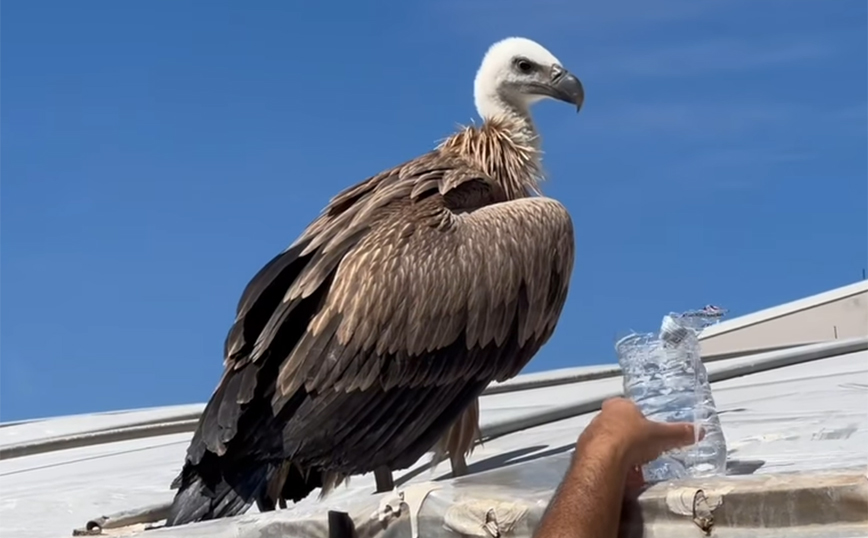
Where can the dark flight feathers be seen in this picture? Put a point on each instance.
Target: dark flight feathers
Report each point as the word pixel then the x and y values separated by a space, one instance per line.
pixel 362 343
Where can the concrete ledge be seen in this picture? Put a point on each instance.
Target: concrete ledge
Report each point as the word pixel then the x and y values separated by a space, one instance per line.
pixel 781 501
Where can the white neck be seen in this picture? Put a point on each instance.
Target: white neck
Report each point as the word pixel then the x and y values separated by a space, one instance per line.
pixel 490 105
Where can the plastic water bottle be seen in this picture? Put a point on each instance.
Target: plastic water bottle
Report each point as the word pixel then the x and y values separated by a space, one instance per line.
pixel 665 377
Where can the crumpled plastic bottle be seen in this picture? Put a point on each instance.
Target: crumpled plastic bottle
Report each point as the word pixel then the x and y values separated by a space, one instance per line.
pixel 665 377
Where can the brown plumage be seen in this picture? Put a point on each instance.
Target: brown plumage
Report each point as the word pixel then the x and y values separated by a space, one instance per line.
pixel 368 342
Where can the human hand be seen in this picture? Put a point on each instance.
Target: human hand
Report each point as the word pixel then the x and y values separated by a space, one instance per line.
pixel 622 428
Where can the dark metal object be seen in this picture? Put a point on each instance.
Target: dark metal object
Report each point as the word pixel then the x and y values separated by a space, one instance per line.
pixel 341 525
pixel 384 479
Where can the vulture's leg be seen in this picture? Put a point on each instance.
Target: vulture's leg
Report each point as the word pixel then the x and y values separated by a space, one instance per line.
pixel 265 504
pixel 383 476
pixel 281 502
pixel 459 465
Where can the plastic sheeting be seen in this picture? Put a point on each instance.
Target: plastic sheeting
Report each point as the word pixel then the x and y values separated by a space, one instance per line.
pixel 511 501
pixel 801 419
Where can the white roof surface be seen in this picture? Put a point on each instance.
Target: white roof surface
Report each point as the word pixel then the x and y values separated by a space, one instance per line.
pixel 804 303
pixel 802 417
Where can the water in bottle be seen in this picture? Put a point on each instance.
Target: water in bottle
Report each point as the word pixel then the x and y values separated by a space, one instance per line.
pixel 664 376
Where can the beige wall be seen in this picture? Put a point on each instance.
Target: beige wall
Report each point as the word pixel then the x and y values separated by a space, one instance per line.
pixel 840 318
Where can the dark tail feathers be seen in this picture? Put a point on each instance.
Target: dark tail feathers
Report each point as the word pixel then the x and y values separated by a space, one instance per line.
pixel 204 492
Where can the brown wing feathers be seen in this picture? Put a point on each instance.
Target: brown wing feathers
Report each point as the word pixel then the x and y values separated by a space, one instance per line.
pixel 365 341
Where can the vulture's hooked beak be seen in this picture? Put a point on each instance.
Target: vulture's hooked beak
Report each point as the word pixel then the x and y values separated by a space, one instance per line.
pixel 566 87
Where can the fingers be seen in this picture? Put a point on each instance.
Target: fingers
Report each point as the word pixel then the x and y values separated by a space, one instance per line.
pixel 668 436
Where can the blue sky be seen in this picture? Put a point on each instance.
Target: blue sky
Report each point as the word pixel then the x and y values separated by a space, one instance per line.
pixel 157 154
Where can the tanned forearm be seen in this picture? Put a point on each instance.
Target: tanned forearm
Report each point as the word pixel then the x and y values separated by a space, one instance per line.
pixel 588 501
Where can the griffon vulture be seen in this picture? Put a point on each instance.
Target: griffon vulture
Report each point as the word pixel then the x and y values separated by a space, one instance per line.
pixel 359 346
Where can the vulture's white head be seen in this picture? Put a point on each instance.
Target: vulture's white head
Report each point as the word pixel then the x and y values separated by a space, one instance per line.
pixel 517 72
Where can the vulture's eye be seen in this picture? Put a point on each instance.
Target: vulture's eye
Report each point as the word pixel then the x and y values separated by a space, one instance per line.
pixel 523 65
